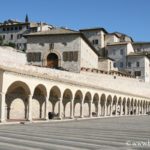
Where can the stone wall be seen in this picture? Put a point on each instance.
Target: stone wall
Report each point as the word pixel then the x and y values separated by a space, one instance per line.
pixel 10 55
pixel 89 58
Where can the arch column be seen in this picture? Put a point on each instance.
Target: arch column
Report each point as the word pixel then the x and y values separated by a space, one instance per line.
pixel 142 108
pixel 2 107
pixel 81 109
pixel 133 108
pixel 60 108
pixel 147 107
pixel 121 110
pixel 46 109
pixel 111 107
pixel 105 108
pixel 98 109
pixel 29 107
pixel 90 109
pixel 116 106
pixel 71 108
pixel 130 108
pixel 138 108
pixel 125 106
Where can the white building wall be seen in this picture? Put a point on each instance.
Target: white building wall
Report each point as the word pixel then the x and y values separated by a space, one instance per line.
pixel 114 52
pixel 89 59
pixel 110 39
pixel 105 64
pixel 143 68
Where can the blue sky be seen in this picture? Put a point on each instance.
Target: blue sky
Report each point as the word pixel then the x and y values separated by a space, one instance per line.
pixel 131 17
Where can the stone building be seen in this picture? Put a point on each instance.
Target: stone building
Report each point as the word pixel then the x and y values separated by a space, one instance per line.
pixel 141 46
pixel 139 66
pixel 12 31
pixel 62 49
pixel 118 52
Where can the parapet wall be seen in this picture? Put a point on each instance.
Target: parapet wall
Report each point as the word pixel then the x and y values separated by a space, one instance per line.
pixel 122 85
pixel 10 55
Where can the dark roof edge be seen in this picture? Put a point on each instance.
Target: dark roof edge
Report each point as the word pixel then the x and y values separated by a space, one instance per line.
pixel 76 33
pixel 93 29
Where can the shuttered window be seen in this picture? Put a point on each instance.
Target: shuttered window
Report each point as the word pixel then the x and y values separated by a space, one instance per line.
pixel 70 56
pixel 33 57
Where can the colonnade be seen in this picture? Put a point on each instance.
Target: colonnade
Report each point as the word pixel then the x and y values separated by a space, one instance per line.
pixel 19 103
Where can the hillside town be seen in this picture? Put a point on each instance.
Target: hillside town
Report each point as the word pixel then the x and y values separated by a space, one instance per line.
pixel 112 53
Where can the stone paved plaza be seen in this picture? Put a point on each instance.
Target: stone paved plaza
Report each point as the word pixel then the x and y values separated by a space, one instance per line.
pixel 95 134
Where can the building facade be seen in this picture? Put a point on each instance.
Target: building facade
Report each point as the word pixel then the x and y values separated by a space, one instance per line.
pixel 61 49
pixel 13 31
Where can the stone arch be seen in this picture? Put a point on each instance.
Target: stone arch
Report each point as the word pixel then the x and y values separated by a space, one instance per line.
pixel 132 107
pixel 124 110
pixel 17 101
pixel 38 101
pixel 114 105
pixel 138 107
pixel 119 109
pixel 109 105
pixel 86 104
pixel 144 107
pixel 55 94
pixel 77 103
pixel 103 104
pixel 67 97
pixel 128 106
pixel 135 107
pixel 95 105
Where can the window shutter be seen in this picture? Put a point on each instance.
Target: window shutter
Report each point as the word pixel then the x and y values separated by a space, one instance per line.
pixel 64 56
pixel 75 57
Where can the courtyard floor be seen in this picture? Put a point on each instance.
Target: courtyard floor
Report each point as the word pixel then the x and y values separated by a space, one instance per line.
pixel 120 133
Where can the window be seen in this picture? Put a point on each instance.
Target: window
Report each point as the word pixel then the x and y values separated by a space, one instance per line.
pixel 16 28
pixel 25 46
pixel 137 73
pixel 95 42
pixel 129 64
pixel 137 64
pixel 12 28
pixel 20 28
pixel 11 36
pixel 41 44
pixel 114 52
pixel 64 43
pixel 19 36
pixel 70 56
pixel 114 65
pixel 129 72
pixel 138 50
pixel 121 52
pixel 34 57
pixel 3 37
pixel 121 64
